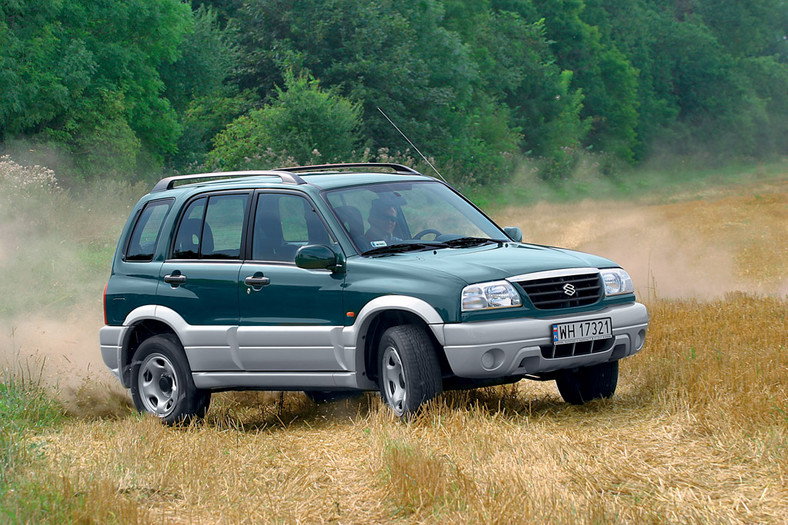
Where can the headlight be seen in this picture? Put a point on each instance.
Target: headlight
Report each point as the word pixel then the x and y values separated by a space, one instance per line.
pixel 617 281
pixel 484 296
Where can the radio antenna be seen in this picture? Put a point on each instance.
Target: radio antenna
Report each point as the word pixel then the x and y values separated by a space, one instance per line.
pixel 412 145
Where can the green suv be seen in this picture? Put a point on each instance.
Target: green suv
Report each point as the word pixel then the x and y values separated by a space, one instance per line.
pixel 350 277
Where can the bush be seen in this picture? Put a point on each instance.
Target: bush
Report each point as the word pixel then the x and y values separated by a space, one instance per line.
pixel 303 124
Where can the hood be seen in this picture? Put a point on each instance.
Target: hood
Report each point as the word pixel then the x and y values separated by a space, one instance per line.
pixel 493 262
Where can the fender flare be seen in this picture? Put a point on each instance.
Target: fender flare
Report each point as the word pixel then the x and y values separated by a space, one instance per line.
pixel 353 336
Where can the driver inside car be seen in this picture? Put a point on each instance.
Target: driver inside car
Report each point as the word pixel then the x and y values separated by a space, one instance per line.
pixel 382 221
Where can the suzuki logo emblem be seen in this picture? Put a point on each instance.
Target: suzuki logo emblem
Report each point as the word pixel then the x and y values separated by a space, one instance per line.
pixel 569 289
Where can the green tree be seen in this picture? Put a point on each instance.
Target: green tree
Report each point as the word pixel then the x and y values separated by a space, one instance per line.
pixel 395 55
pixel 207 57
pixel 63 61
pixel 517 68
pixel 636 30
pixel 604 74
pixel 752 28
pixel 200 88
pixel 765 81
pixel 302 124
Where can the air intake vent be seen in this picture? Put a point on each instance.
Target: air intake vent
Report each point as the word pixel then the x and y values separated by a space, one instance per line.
pixel 577 349
pixel 569 291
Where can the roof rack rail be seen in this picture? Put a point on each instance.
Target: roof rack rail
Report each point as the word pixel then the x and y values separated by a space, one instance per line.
pixel 168 183
pixel 398 168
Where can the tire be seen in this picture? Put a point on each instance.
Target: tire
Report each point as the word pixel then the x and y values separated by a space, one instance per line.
pixel 588 383
pixel 162 384
pixel 409 373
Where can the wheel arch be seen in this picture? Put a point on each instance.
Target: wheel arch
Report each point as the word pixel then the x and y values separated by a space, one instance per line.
pixel 143 323
pixel 392 310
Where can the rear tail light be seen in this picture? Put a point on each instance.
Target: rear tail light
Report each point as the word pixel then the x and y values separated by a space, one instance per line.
pixel 104 299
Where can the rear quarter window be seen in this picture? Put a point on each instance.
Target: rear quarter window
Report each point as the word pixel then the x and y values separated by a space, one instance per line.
pixel 147 230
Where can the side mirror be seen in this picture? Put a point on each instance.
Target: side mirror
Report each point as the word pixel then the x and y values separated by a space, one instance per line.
pixel 514 233
pixel 319 257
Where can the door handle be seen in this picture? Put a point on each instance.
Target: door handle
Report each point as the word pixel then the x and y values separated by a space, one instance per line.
pixel 176 279
pixel 257 281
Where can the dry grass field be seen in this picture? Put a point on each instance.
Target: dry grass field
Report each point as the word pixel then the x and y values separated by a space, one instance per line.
pixel 696 433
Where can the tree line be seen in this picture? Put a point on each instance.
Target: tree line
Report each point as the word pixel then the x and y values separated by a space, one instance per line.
pixel 124 88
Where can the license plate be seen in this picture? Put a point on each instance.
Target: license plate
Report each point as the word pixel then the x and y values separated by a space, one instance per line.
pixel 578 331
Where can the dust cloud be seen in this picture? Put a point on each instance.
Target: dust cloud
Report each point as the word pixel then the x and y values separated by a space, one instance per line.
pixel 700 248
pixel 63 353
pixel 55 251
pixel 70 342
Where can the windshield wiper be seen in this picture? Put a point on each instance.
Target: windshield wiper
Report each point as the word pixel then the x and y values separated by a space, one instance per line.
pixel 404 247
pixel 465 242
pixel 462 242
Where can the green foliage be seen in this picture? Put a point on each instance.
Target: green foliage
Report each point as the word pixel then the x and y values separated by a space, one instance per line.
pixel 207 57
pixel 517 69
pixel 765 79
pixel 118 87
pixel 198 86
pixel 203 119
pixel 106 145
pixel 84 75
pixel 600 70
pixel 746 29
pixel 393 55
pixel 303 123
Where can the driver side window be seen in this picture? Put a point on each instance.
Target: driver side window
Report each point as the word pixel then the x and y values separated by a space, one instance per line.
pixel 283 223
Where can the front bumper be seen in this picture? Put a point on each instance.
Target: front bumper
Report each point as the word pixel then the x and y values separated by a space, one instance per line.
pixel 513 347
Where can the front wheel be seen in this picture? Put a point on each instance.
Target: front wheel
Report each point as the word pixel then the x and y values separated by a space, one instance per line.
pixel 162 384
pixel 409 373
pixel 591 382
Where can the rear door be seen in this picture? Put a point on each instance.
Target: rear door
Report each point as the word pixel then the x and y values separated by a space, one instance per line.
pixel 290 318
pixel 199 280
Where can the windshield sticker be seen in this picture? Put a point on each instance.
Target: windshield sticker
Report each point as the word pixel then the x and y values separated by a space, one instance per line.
pixel 378 244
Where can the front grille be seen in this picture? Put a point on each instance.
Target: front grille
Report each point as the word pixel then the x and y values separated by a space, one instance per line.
pixel 552 293
pixel 575 349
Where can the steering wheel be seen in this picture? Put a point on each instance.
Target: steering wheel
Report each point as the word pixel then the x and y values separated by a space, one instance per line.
pixel 422 233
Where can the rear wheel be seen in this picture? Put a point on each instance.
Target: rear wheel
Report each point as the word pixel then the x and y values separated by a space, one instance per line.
pixel 409 373
pixel 162 382
pixel 591 382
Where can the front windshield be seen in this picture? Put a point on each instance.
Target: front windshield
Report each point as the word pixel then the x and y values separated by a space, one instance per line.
pixel 409 215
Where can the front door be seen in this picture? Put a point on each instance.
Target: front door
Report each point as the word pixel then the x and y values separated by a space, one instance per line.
pixel 291 318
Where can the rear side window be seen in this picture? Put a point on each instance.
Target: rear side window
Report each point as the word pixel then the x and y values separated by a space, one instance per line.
pixel 212 228
pixel 147 230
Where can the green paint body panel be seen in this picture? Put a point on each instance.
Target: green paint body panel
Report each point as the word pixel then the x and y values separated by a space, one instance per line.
pixel 295 296
pixel 438 277
pixel 208 297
